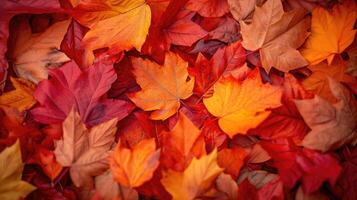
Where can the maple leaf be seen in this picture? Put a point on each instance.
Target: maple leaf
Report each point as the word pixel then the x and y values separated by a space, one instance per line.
pixel 11 185
pixel 332 125
pixel 162 87
pixel 208 8
pixel 22 97
pixel 125 24
pixel 318 81
pixel 285 121
pixel 195 180
pixel 69 87
pixel 331 32
pixel 242 106
pixel 84 151
pixel 276 35
pixel 133 167
pixel 34 53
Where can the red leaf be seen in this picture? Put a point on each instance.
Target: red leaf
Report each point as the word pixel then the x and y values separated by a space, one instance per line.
pixel 293 164
pixel 69 87
pixel 71 43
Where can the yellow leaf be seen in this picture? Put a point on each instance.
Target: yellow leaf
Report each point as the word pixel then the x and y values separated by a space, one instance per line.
pixel 22 97
pixel 195 180
pixel 242 106
pixel 277 35
pixel 131 168
pixel 11 166
pixel 331 32
pixel 162 86
pixel 35 53
pixel 117 25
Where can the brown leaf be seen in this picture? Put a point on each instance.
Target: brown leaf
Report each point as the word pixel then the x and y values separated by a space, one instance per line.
pixel 84 151
pixel 332 125
pixel 276 35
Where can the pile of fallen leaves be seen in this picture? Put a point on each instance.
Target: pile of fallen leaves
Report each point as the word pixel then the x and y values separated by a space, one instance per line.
pixel 178 99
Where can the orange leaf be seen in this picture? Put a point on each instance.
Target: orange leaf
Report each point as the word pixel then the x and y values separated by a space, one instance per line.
pixel 181 144
pixel 22 97
pixel 162 86
pixel 125 24
pixel 49 164
pixel 331 32
pixel 318 81
pixel 133 167
pixel 232 160
pixel 195 180
pixel 242 106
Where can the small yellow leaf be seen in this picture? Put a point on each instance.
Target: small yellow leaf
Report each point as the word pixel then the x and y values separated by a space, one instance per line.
pixel 242 106
pixel 162 86
pixel 132 167
pixel 195 180
pixel 11 166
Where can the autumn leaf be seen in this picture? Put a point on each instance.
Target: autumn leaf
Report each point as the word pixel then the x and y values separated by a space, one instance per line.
pixel 208 8
pixel 277 35
pixel 195 180
pixel 183 135
pixel 34 53
pixel 84 151
pixel 331 32
pixel 69 86
pixel 133 167
pixel 162 87
pixel 241 106
pixel 11 185
pixel 22 97
pixel 332 125
pixel 125 24
pixel 318 81
pixel 178 144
